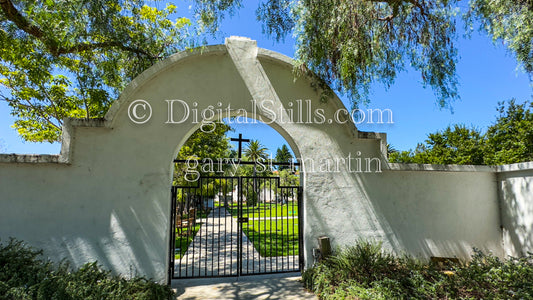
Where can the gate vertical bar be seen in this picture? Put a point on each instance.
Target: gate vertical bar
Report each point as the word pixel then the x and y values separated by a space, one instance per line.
pixel 270 220
pixel 212 211
pixel 206 225
pixel 231 232
pixel 190 198
pixel 264 228
pixel 221 189
pixel 172 242
pixel 239 229
pixel 277 234
pixel 300 228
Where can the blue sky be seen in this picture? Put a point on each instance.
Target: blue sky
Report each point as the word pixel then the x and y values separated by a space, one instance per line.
pixel 487 75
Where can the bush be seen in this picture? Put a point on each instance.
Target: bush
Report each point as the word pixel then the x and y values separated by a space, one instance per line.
pixel 365 271
pixel 24 275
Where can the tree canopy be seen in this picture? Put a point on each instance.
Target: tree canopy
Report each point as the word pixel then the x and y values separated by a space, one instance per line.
pixel 255 151
pixel 72 58
pixel 454 145
pixel 507 21
pixel 352 44
pixel 510 138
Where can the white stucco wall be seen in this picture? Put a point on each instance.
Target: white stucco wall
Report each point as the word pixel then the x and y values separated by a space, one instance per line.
pixel 107 196
pixel 515 188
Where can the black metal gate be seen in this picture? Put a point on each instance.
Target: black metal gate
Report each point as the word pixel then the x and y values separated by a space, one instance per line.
pixel 232 226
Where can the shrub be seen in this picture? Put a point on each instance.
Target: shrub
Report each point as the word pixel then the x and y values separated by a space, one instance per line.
pixel 365 271
pixel 24 275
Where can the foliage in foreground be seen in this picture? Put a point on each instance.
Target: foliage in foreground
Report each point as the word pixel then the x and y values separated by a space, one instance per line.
pixel 354 44
pixel 72 58
pixel 365 271
pixel 24 275
pixel 61 59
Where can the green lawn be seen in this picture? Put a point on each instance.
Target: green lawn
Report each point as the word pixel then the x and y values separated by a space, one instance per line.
pixel 270 237
pixel 273 238
pixel 266 210
pixel 187 235
pixel 182 241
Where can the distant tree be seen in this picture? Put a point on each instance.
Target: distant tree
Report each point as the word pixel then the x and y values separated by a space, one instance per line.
pixel 391 149
pixel 510 138
pixel 283 155
pixel 454 145
pixel 256 152
pixel 404 156
pixel 289 178
pixel 201 145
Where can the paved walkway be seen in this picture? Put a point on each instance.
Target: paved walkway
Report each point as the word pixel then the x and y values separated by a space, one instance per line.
pixel 279 286
pixel 213 252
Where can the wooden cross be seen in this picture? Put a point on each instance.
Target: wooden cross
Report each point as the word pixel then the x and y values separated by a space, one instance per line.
pixel 240 140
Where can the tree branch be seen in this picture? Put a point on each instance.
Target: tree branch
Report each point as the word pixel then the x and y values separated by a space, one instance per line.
pixel 420 7
pixel 13 15
pixel 396 3
pixel 93 46
pixel 31 106
pixel 39 112
pixel 16 17
pixel 387 18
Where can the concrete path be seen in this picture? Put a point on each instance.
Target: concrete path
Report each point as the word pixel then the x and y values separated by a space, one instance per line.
pixel 213 252
pixel 280 286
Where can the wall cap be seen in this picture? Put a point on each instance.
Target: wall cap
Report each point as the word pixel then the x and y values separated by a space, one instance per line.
pixel 29 158
pixel 515 167
pixel 441 168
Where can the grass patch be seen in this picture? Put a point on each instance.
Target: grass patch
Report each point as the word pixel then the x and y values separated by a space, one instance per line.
pixel 365 271
pixel 25 275
pixel 273 238
pixel 269 236
pixel 266 210
pixel 187 235
pixel 184 240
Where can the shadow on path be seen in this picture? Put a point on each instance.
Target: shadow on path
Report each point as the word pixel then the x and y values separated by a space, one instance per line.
pixel 278 286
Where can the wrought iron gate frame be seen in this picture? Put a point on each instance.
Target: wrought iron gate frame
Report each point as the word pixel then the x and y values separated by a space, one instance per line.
pixel 172 247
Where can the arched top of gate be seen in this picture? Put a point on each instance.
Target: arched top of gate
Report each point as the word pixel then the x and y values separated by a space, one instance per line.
pixel 158 68
pixel 236 72
pixel 244 53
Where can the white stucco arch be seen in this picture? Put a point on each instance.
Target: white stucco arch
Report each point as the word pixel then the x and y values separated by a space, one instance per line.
pixel 234 75
pixel 106 197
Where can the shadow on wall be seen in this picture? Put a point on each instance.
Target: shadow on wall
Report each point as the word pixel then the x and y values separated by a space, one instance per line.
pixel 420 213
pixel 443 214
pixel 516 197
pixel 121 240
pixel 337 206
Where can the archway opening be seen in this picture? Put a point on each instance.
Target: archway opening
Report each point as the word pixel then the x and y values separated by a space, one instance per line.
pixel 236 203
